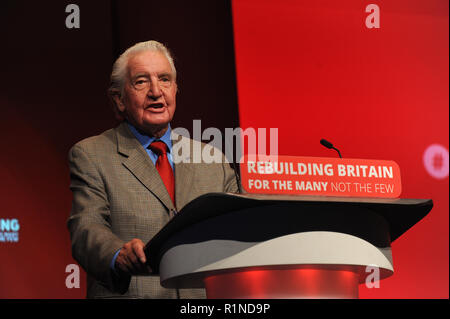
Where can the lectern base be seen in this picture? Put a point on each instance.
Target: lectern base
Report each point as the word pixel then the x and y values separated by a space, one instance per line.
pixel 302 282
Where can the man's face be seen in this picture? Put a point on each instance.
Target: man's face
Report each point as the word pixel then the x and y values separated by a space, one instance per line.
pixel 149 93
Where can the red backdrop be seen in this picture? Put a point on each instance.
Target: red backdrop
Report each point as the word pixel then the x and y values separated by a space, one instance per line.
pixel 314 70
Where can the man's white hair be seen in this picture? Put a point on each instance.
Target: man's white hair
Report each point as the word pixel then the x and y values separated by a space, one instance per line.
pixel 119 69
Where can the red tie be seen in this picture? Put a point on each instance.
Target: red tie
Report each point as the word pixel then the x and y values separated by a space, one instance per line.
pixel 163 167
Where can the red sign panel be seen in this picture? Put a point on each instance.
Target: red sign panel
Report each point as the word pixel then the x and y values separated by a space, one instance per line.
pixel 289 175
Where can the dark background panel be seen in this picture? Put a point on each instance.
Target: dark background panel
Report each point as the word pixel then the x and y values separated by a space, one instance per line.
pixel 53 84
pixel 200 36
pixel 53 94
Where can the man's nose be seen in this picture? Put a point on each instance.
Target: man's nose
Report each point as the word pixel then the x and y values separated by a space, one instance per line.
pixel 154 91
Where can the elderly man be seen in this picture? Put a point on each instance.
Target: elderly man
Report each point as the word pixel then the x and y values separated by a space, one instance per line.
pixel 127 183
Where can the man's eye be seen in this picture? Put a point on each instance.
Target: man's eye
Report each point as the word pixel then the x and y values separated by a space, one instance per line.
pixel 140 84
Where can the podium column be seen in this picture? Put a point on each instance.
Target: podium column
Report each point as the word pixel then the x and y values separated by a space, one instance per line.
pixel 307 281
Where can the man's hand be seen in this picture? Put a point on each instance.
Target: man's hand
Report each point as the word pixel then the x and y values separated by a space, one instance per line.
pixel 131 258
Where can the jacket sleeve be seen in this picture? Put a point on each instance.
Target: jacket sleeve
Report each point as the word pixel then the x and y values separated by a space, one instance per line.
pixel 89 224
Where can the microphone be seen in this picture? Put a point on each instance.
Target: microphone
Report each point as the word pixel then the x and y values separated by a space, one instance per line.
pixel 327 144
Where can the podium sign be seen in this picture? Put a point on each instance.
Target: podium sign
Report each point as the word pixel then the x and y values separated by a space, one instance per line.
pixel 290 175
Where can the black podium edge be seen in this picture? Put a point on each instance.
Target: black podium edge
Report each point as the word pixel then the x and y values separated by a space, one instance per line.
pixel 400 214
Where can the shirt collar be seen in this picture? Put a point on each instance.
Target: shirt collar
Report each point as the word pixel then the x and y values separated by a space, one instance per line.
pixel 147 140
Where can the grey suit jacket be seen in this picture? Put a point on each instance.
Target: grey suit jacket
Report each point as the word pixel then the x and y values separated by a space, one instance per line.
pixel 118 195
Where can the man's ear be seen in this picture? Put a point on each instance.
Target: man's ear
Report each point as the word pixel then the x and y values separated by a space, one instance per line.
pixel 117 104
pixel 118 101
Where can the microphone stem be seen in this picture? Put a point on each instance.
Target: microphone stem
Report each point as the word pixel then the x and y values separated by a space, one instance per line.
pixel 337 151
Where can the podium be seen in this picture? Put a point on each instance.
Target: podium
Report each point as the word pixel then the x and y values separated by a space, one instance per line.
pixel 277 246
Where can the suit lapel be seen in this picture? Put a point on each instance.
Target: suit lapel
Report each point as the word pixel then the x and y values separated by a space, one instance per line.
pixel 184 169
pixel 137 161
